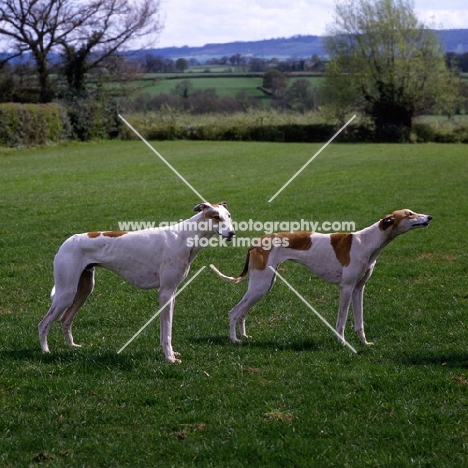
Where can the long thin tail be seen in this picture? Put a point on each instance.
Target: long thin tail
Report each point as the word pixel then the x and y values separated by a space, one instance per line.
pixel 232 279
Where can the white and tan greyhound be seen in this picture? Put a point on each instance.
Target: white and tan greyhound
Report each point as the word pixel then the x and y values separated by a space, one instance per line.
pixel 149 258
pixel 346 259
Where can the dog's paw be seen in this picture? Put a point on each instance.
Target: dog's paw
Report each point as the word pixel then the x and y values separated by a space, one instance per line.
pixel 174 360
pixel 368 343
pixel 236 341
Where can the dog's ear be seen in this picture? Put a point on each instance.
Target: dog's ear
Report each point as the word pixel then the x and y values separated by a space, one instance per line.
pixel 223 203
pixel 386 222
pixel 201 207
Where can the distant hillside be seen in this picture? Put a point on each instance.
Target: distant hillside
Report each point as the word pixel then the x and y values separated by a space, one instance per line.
pixel 296 46
pixel 455 40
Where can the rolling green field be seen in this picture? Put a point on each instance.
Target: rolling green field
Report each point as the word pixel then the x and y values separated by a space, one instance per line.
pixel 226 86
pixel 289 396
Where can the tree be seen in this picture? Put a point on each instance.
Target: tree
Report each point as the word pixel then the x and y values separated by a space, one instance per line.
pixel 276 82
pixel 183 89
pixel 181 65
pixel 388 63
pixel 302 96
pixel 86 31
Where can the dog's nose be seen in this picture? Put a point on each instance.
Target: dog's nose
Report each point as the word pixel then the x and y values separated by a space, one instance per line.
pixel 231 234
pixel 429 217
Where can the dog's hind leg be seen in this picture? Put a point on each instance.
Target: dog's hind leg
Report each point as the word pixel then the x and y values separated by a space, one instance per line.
pixel 60 302
pixel 66 278
pixel 85 288
pixel 345 302
pixel 260 282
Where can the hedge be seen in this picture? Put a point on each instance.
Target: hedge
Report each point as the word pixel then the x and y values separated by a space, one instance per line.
pixel 38 124
pixel 283 133
pixel 32 124
pixel 86 119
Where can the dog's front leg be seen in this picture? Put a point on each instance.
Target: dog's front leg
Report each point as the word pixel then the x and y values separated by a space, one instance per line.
pixel 358 309
pixel 358 296
pixel 166 298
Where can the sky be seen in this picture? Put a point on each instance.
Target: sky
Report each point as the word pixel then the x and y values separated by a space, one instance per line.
pixel 198 22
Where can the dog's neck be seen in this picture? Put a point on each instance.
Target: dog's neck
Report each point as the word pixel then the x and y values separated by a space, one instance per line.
pixel 197 225
pixel 375 239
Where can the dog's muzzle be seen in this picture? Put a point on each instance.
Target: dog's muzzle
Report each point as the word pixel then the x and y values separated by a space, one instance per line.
pixel 229 236
pixel 424 223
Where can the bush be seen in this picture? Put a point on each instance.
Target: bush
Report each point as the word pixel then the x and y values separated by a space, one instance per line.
pixel 93 119
pixel 32 124
pixel 424 132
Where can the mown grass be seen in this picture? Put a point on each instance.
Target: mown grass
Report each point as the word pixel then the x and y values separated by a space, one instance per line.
pixel 290 396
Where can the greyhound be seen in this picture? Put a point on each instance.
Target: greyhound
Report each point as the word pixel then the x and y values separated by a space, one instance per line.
pixel 149 258
pixel 346 259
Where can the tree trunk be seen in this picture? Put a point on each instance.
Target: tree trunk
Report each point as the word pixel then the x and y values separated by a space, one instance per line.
pixel 45 92
pixel 392 115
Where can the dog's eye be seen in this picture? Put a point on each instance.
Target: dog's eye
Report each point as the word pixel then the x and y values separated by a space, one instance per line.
pixel 216 217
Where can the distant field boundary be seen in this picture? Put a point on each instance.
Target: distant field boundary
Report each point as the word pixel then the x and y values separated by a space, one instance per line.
pixel 38 124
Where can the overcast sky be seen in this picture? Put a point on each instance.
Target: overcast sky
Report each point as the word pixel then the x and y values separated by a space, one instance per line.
pixel 200 22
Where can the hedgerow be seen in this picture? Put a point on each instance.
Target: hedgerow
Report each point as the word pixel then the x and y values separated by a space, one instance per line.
pixel 32 124
pixel 38 124
pixel 87 119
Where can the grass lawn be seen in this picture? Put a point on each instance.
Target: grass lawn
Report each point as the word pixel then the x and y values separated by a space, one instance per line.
pixel 291 395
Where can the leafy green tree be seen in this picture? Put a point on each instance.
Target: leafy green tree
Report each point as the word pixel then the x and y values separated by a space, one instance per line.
pixel 386 63
pixel 276 82
pixel 302 96
pixel 183 89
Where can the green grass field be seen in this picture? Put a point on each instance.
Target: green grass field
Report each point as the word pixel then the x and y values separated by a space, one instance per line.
pixel 291 395
pixel 226 86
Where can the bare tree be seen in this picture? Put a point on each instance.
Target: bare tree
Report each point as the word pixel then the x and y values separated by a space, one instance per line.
pixel 87 31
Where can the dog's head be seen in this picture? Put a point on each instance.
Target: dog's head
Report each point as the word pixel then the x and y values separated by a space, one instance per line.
pixel 402 221
pixel 218 217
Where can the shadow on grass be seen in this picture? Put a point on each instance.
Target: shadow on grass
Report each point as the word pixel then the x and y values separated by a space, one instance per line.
pixel 299 345
pixel 448 359
pixel 100 357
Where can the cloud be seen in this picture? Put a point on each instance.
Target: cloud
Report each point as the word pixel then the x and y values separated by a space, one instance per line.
pixel 196 23
pixel 444 19
pixel 200 22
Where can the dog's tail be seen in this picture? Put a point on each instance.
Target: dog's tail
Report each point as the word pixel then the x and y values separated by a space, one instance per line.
pixel 232 279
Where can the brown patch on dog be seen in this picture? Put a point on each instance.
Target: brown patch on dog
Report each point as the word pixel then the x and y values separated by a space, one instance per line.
pixel 299 240
pixel 258 258
pixel 341 244
pixel 393 219
pixel 213 214
pixel 386 222
pixel 114 233
pixel 93 235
